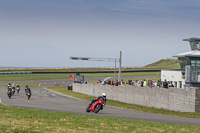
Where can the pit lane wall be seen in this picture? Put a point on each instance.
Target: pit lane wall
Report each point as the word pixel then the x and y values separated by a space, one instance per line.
pixel 176 99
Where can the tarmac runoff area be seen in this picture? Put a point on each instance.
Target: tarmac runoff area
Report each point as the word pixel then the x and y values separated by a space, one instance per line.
pixel 54 101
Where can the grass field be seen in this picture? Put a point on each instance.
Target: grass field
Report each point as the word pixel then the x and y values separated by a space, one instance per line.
pixel 164 64
pixel 25 120
pixel 28 77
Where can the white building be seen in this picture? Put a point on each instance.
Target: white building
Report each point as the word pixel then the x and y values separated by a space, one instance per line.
pixel 174 76
pixel 189 74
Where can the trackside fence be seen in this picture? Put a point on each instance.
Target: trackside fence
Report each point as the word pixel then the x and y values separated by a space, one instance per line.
pixel 10 73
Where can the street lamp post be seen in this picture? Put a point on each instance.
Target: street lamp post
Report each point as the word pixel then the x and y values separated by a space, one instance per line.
pixel 120 65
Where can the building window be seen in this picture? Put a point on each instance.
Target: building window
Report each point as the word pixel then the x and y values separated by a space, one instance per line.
pixel 183 62
pixel 198 45
pixel 195 62
pixel 195 45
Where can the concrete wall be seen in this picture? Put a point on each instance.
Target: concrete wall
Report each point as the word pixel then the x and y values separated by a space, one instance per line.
pixel 184 100
pixel 197 101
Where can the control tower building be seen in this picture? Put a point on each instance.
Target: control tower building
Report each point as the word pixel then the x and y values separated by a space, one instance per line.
pixel 189 74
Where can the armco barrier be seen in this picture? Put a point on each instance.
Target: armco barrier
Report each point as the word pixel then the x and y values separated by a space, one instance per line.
pixel 10 73
pixel 183 100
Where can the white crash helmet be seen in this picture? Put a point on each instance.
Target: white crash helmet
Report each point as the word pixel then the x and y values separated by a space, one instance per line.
pixel 104 94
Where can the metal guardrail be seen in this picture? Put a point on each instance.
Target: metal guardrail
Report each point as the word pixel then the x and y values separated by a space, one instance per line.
pixel 10 73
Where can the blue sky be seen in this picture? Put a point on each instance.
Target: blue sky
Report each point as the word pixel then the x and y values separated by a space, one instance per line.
pixel 45 33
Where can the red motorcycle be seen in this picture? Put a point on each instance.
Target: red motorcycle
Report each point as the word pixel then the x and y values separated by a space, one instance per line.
pixel 96 106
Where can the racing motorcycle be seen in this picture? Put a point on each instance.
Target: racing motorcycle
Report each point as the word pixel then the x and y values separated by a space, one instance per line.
pixel 96 106
pixel 18 89
pixel 28 94
pixel 9 93
pixel 13 90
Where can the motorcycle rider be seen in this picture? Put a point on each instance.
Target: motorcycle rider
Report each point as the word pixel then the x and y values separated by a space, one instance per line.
pixel 9 91
pixel 103 97
pixel 18 88
pixel 27 89
pixel 9 88
pixel 9 85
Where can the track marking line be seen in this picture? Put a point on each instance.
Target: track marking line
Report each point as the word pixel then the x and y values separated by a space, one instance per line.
pixel 3 103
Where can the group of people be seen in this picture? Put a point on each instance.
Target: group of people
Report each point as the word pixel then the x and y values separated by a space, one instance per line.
pixel 110 82
pixel 141 83
pixel 167 84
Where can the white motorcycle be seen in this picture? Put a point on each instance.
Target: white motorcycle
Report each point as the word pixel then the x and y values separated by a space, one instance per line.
pixel 18 89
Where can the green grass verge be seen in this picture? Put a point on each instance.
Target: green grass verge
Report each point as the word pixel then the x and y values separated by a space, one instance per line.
pixel 25 120
pixel 114 103
pixel 164 64
pixel 29 77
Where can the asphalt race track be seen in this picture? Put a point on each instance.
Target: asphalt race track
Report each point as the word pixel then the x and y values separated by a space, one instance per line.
pixel 49 100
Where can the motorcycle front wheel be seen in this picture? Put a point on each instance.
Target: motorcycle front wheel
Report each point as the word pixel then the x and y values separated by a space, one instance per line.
pixel 97 108
pixel 9 95
pixel 28 96
pixel 88 109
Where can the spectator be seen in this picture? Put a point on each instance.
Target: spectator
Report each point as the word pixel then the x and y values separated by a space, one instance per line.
pixel 99 81
pixel 103 82
pixel 116 83
pixel 170 84
pixel 142 82
pixel 137 83
pixel 109 82
pixel 159 83
pixel 145 83
pixel 119 82
pixel 129 82
pixel 112 83
pixel 122 82
pixel 165 84
pixel 150 84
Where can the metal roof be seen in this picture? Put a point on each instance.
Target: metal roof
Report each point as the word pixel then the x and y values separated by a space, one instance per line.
pixel 194 53
pixel 192 39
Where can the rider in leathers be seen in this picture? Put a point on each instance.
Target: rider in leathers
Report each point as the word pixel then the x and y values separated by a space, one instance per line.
pixel 27 89
pixel 103 97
